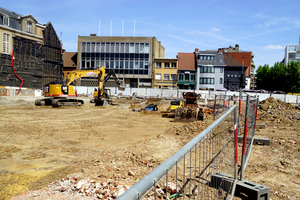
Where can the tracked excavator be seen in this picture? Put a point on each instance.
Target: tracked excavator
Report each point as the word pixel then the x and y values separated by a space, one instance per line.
pixel 61 93
pixel 102 94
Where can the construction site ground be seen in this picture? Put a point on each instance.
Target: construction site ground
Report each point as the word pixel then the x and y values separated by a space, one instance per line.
pixel 41 146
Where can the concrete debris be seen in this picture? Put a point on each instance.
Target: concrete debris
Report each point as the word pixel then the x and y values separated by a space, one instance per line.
pixel 86 188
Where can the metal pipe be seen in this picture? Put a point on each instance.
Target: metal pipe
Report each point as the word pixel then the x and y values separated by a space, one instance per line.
pixel 144 184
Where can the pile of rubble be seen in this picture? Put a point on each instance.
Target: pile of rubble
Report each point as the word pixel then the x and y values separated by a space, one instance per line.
pixel 274 110
pixel 272 103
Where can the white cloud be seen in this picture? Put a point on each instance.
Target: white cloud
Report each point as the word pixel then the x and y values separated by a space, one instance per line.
pixel 274 47
pixel 215 29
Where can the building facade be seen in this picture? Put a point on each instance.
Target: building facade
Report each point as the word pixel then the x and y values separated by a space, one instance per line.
pixel 165 73
pixel 292 53
pixel 246 59
pixel 210 69
pixel 37 51
pixel 186 71
pixel 234 74
pixel 132 58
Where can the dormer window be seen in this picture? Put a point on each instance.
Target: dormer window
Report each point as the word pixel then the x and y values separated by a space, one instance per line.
pixel 29 26
pixel 5 21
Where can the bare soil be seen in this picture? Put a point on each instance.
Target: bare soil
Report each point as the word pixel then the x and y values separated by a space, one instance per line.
pixel 40 145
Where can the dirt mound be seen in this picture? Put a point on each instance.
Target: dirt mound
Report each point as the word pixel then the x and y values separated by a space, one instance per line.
pixel 272 103
pixel 276 112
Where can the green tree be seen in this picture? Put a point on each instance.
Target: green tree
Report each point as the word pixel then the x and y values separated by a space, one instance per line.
pixel 293 77
pixel 263 77
pixel 278 76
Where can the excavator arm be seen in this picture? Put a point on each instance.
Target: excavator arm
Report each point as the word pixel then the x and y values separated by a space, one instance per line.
pixel 73 75
pixel 102 79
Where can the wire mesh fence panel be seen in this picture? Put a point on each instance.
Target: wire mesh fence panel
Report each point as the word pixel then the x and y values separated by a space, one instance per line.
pixel 221 104
pixel 247 124
pixel 190 173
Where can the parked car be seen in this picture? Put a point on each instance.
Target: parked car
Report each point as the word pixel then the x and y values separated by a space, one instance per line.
pixel 278 92
pixel 262 91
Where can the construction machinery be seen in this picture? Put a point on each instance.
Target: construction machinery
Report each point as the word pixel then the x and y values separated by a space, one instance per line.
pixel 191 111
pixel 170 112
pixel 102 94
pixel 60 93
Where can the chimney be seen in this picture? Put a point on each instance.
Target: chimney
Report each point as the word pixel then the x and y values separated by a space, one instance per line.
pixel 220 50
pixel 237 48
pixel 197 50
pixel 93 34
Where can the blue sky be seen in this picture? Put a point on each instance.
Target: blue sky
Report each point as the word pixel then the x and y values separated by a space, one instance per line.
pixel 264 27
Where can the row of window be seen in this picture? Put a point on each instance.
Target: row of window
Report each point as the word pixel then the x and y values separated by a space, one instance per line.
pixel 206 69
pixel 115 64
pixel 5 21
pixel 115 47
pixel 186 77
pixel 206 57
pixel 166 65
pixel 114 55
pixel 233 75
pixel 210 81
pixel 166 77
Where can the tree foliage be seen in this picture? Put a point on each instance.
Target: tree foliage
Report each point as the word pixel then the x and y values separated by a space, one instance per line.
pixel 279 77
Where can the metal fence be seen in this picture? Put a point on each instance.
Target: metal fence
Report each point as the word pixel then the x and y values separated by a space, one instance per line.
pixel 221 104
pixel 248 106
pixel 190 172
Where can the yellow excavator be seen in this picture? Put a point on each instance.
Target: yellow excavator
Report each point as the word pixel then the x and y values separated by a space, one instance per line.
pixel 101 94
pixel 60 93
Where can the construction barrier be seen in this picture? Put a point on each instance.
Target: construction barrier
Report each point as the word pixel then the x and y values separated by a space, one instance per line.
pixel 190 172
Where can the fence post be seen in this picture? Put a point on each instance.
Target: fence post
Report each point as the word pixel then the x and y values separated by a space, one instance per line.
pixel 245 137
pixel 240 106
pixel 215 106
pixel 235 141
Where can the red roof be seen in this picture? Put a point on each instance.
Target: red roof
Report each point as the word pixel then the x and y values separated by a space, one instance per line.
pixel 70 59
pixel 186 61
pixel 239 57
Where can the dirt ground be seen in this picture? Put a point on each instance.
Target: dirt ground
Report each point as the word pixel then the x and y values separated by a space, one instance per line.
pixel 40 145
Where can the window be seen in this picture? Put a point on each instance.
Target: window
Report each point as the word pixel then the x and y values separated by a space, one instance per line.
pixel 5 21
pixel 180 77
pixel 221 70
pixel 146 49
pixel 29 24
pixel 157 76
pixel 6 43
pixel 131 48
pixel 158 65
pixel 173 77
pixel 167 65
pixel 192 77
pixel 173 65
pixel 187 77
pixel 221 81
pixel 166 77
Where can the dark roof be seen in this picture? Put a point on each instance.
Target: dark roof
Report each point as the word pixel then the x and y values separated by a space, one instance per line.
pixel 70 59
pixel 186 61
pixel 243 57
pixel 9 13
pixel 230 61
pixel 218 61
pixel 13 18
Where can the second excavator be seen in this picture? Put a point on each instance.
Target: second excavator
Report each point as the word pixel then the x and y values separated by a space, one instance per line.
pixel 102 94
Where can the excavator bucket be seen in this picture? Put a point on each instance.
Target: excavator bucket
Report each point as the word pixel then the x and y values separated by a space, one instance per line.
pixel 121 88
